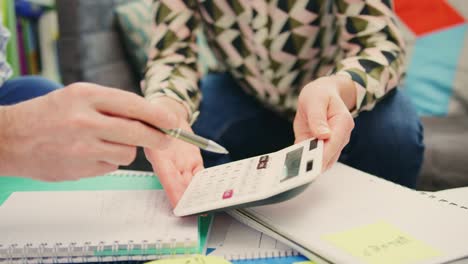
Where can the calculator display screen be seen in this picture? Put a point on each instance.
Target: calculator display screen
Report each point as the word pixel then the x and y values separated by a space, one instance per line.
pixel 292 164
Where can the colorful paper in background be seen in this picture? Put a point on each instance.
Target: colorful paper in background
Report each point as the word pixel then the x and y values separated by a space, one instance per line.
pixel 437 59
pixel 34 30
pixel 27 17
pixel 9 20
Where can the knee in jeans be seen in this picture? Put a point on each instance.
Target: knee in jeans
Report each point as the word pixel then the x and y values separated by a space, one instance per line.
pixel 400 141
pixel 388 141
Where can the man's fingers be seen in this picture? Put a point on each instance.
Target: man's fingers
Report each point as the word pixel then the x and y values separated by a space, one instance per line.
pixel 86 170
pixel 131 106
pixel 102 168
pixel 133 133
pixel 118 154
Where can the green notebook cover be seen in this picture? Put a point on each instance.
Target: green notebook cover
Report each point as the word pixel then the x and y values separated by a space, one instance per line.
pixel 120 180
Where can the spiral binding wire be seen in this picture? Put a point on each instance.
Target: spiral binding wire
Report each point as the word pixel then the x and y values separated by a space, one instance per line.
pixel 131 174
pixel 441 200
pixel 89 252
pixel 427 194
pixel 252 255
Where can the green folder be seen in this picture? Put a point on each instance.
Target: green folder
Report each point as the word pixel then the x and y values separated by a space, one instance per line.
pixel 120 180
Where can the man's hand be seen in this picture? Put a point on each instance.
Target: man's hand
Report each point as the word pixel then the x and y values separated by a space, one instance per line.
pixel 323 113
pixel 176 164
pixel 80 131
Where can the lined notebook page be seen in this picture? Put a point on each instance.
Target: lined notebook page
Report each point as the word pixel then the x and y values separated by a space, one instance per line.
pixel 235 241
pixel 344 201
pixel 92 216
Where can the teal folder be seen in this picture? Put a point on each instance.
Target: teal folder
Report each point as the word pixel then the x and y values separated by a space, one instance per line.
pixel 121 180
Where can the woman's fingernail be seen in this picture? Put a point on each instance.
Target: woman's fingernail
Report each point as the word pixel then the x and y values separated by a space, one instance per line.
pixel 323 130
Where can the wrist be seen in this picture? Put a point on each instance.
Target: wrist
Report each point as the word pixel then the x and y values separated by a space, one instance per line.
pixel 173 106
pixel 346 90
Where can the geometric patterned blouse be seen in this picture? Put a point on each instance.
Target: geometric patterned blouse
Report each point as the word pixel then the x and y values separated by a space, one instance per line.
pixel 273 48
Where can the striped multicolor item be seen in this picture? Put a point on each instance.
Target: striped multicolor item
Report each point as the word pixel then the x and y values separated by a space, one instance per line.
pixel 437 44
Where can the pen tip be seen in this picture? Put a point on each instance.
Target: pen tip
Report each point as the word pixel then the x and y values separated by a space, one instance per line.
pixel 224 151
pixel 215 147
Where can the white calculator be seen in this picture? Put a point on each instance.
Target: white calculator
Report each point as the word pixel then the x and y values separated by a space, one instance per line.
pixel 264 179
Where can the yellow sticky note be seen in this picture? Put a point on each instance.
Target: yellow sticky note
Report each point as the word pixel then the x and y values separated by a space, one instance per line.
pixel 382 243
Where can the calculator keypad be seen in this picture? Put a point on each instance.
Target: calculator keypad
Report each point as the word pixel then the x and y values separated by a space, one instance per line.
pixel 209 187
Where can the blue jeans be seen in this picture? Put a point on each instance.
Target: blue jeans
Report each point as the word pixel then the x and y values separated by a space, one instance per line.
pixel 387 141
pixel 20 89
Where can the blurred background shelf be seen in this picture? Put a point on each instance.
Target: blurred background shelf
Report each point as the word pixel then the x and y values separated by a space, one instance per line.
pixel 32 49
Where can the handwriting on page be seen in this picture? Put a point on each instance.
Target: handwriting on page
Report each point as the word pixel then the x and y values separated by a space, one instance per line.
pixel 382 243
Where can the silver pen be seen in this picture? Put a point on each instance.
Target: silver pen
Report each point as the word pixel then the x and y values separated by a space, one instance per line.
pixel 201 142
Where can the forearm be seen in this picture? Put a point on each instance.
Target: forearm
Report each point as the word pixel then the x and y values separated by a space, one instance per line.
pixel 7 142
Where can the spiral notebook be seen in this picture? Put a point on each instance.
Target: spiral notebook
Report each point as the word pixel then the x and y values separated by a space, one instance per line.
pixel 239 243
pixel 348 216
pixel 117 217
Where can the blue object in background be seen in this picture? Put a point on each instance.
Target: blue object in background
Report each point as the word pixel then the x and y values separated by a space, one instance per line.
pixel 24 88
pixel 26 9
pixel 280 260
pixel 276 260
pixel 432 68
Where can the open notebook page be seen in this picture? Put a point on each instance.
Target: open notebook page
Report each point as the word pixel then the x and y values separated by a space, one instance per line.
pixel 92 216
pixel 345 212
pixel 235 241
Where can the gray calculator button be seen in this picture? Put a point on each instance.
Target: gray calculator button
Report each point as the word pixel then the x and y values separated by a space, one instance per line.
pixel 310 165
pixel 313 144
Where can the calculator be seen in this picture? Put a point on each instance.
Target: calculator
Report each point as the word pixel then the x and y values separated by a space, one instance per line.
pixel 260 180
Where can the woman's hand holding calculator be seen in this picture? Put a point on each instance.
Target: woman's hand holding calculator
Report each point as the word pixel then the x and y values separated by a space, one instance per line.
pixel 323 112
pixel 176 164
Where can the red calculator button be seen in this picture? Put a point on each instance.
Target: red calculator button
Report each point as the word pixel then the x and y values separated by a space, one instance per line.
pixel 228 194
